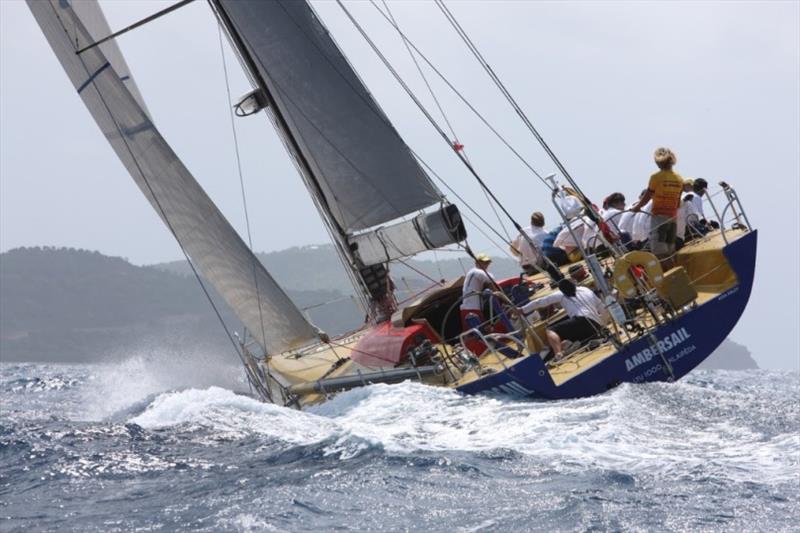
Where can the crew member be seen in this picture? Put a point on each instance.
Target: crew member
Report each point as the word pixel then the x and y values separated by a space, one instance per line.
pixel 528 245
pixel 566 239
pixel 477 279
pixel 664 189
pixel 612 214
pixel 556 255
pixel 585 310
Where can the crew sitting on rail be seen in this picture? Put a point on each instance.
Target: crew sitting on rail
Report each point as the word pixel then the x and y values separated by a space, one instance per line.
pixel 681 218
pixel 585 310
pixel 614 207
pixel 691 221
pixel 527 247
pixel 556 255
pixel 633 223
pixel 664 189
pixel 696 218
pixel 566 239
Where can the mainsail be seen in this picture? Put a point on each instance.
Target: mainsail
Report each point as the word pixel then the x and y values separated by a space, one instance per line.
pixel 354 163
pixel 209 241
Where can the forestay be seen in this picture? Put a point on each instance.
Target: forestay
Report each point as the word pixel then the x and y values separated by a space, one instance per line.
pixel 210 242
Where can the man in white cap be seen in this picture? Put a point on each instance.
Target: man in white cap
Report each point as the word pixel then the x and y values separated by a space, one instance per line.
pixel 476 280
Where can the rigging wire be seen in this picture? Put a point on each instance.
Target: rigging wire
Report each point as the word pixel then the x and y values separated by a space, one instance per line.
pixel 459 153
pixel 159 208
pixel 507 94
pixel 466 102
pixel 427 114
pixel 420 272
pixel 456 142
pixel 241 184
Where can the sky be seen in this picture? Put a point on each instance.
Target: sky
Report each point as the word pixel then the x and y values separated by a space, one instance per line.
pixel 604 82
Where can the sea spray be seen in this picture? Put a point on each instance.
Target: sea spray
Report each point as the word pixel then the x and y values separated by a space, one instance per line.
pixel 128 378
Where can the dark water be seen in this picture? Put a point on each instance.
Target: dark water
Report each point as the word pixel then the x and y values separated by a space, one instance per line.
pixel 140 445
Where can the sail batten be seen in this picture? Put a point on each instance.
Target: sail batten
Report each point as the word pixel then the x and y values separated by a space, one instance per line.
pixel 210 242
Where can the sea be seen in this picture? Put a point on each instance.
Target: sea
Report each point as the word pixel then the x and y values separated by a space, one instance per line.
pixel 155 444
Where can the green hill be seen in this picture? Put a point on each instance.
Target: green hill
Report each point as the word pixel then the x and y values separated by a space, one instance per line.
pixel 68 305
pixel 76 305
pixel 319 268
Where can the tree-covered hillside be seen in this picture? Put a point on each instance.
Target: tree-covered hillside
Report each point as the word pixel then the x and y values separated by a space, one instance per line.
pixel 319 268
pixel 76 305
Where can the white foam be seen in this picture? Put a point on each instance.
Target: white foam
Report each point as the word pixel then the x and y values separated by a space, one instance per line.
pixel 633 428
pixel 124 382
pixel 233 415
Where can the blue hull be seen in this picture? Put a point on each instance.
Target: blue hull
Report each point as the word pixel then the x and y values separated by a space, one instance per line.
pixel 685 342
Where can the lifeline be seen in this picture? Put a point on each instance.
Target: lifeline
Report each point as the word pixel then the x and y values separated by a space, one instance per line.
pixel 665 344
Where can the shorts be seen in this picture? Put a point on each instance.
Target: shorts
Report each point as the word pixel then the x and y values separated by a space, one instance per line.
pixel 663 231
pixel 577 328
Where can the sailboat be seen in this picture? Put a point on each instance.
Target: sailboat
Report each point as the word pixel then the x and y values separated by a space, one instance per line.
pixel 379 205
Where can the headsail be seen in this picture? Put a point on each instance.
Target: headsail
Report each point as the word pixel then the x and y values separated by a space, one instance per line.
pixel 95 22
pixel 211 243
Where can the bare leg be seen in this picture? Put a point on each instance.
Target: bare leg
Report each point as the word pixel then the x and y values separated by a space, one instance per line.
pixel 554 341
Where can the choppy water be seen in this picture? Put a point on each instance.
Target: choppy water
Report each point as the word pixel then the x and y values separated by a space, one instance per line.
pixel 140 445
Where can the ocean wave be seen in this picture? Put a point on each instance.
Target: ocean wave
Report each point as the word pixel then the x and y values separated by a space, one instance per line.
pixel 42 384
pixel 637 428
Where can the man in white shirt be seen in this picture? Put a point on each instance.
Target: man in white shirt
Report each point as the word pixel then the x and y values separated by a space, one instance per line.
pixel 585 310
pixel 641 224
pixel 699 187
pixel 613 216
pixel 476 280
pixel 626 220
pixel 564 239
pixel 528 246
pixel 681 220
pixel 613 212
pixel 695 219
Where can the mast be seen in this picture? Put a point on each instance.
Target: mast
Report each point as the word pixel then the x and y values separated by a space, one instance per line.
pixel 337 233
pixel 369 189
